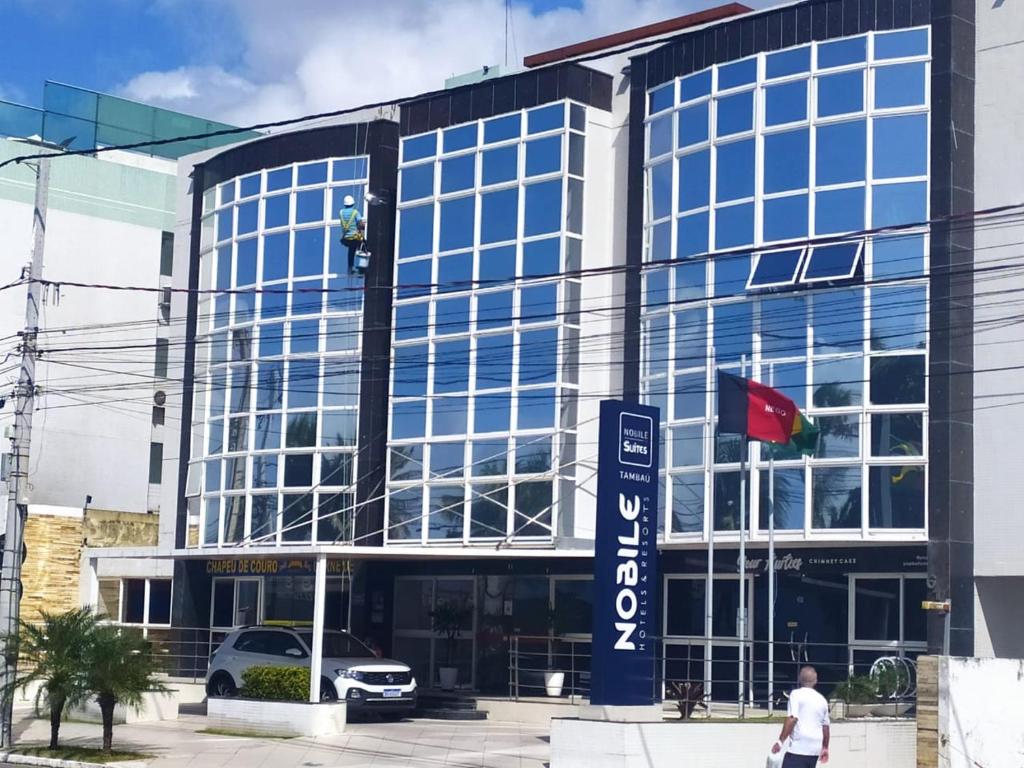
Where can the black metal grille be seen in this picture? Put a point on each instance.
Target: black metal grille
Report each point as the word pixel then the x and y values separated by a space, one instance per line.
pixel 387 678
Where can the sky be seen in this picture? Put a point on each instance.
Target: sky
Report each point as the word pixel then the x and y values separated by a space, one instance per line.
pixel 244 61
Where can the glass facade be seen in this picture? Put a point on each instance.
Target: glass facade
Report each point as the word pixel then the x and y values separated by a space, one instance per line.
pixel 778 164
pixel 277 372
pixel 486 328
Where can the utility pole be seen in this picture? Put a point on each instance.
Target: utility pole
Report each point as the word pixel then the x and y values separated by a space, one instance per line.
pixel 17 480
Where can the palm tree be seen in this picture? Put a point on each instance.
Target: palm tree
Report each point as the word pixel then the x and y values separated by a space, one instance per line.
pixel 54 653
pixel 120 669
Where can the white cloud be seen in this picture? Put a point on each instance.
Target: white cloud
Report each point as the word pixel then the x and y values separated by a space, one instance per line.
pixel 309 56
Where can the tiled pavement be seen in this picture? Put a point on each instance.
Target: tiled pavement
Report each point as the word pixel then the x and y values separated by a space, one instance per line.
pixel 426 743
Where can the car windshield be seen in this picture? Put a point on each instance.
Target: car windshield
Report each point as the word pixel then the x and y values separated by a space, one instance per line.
pixel 339 645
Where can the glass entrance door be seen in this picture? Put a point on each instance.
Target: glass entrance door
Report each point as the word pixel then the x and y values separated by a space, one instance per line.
pixel 416 643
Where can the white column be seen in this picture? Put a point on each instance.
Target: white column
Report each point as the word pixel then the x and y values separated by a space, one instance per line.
pixel 319 598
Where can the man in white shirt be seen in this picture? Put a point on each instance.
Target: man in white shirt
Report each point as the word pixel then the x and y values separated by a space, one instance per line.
pixel 806 725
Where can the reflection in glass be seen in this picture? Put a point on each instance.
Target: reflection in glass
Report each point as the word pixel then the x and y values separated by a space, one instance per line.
pixel 789 499
pixel 297 516
pixel 838 383
pixel 735 114
pixel 896 496
pixel 841 151
pixel 407 462
pixel 836 497
pixel 405 514
pixel 727 501
pixel 897 380
pixel 490 457
pixel 458 173
pixel 499 213
pixel 688 503
pixel 840 437
pixel 489 511
pixel 877 609
pixel 897 434
pixel 500 164
pixel 533 509
pixel 841 93
pixel 446 513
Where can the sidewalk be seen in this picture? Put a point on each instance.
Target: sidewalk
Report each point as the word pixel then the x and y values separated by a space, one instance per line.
pixel 427 743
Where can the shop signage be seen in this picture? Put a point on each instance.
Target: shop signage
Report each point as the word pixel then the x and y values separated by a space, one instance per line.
pixel 625 556
pixel 262 566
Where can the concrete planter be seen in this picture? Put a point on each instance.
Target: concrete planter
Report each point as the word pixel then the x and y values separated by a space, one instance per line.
pixel 553 683
pixel 276 718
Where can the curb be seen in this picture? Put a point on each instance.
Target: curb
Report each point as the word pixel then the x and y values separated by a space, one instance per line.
pixel 13 758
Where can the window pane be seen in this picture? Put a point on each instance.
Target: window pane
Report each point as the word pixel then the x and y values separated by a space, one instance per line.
pixel 248 217
pixel 896 497
pixel 451 366
pixel 355 167
pixel 895 45
pixel 661 98
pixel 301 430
pixel 788 62
pixel 841 93
pixel 897 434
pixel 694 86
pixel 842 52
pixel 786 103
pixel 411 321
pixel 533 509
pixel 407 419
pixel 691 237
pixel 336 469
pixel 309 206
pixel 501 164
pixel 776 268
pixel 840 437
pixel 901 85
pixel 309 252
pixel 452 316
pixel 545 118
pixel 537 304
pixel 447 459
pixel 731 274
pixel 691 338
pixel 536 409
pixel 784 328
pixel 133 610
pixel 545 155
pixel 499 213
pixel 734 226
pixel 694 182
pixel 490 457
pixel 838 383
pixel 303 376
pixel 457 223
pixel 914 617
pixel 267 432
pixel 455 273
pixel 533 456
pixel 735 175
pixel 786 160
pixel 458 173
pixel 839 210
pixel 245 265
pixel 785 218
pixel 449 416
pixel 836 493
pixel 839 322
pixel 877 609
pixel 540 257
pixel 419 147
pixel 418 182
pixel 160 601
pixel 492 413
pixel 407 462
pixel 898 317
pixel 502 128
pixel 489 511
pixel 693 124
pixel 416 235
pixel 338 428
pixel 275 258
pixel 414 278
pixel 688 445
pixel 250 185
pixel 543 208
pixel 685 612
pixel 832 261
pixel 897 380
pixel 264 471
pixel 896 204
pixel 841 152
pixel 405 514
pixel 688 503
pixel 276 211
pixel 462 137
pixel 789 500
pixel 735 114
pixel 494 310
pixel 297 517
pixel 733 329
pixel 900 146
pixel 727 501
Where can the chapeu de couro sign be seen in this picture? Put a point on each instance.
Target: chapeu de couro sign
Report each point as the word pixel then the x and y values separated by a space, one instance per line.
pixel 625 556
pixel 261 566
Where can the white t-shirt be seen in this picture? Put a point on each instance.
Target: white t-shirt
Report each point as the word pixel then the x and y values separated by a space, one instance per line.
pixel 811 712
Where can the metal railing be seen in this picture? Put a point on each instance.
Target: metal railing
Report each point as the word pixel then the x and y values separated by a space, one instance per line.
pixel 866 679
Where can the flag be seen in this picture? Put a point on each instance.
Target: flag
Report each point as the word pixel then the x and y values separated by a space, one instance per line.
pixel 750 408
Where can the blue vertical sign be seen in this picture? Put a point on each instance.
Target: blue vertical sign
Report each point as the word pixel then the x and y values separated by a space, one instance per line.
pixel 625 557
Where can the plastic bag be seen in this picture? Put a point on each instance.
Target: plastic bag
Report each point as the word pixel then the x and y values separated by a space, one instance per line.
pixel 775 759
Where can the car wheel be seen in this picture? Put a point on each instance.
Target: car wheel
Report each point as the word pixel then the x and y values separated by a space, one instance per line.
pixel 327 692
pixel 221 686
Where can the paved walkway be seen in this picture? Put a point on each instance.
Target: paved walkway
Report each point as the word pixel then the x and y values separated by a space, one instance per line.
pixel 426 743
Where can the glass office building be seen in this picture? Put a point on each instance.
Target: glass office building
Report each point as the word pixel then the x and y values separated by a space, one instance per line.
pixel 778 164
pixel 486 328
pixel 278 393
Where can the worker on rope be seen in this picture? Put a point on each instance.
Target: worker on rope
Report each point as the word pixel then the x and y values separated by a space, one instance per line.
pixel 353 228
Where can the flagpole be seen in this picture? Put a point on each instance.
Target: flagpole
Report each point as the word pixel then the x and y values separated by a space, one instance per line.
pixel 709 586
pixel 743 557
pixel 771 563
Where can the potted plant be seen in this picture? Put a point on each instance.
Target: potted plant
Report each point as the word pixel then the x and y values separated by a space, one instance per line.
pixel 554 679
pixel 859 694
pixel 448 619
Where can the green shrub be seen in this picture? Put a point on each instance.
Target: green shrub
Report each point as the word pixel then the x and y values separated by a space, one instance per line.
pixel 857 690
pixel 276 683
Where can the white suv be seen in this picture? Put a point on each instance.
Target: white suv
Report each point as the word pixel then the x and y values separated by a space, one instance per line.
pixel 350 671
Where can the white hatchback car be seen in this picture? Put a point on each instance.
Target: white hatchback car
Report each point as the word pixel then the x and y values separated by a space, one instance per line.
pixel 350 671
